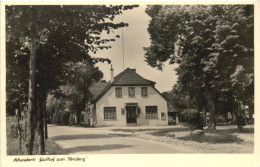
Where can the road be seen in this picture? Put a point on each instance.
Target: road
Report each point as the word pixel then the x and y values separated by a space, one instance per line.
pixel 78 140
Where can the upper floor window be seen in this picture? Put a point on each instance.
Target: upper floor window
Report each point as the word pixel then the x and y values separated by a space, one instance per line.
pixel 131 91
pixel 118 92
pixel 144 91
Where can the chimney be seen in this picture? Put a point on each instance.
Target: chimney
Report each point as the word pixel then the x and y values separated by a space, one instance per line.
pixel 112 73
pixel 133 69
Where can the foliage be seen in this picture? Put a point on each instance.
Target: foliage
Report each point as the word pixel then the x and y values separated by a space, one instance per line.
pixel 75 92
pixel 54 35
pixel 193 119
pixel 179 100
pixel 213 47
pixel 16 72
pixel 168 132
pixel 133 130
pixel 216 138
pixel 66 118
pixel 58 42
pixel 51 148
pixel 13 142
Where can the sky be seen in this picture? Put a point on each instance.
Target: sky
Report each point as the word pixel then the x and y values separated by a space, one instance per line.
pixel 136 37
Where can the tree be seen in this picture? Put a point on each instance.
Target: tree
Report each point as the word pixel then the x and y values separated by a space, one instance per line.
pixel 235 37
pixel 193 119
pixel 203 41
pixel 178 99
pixel 56 32
pixel 80 76
pixel 16 71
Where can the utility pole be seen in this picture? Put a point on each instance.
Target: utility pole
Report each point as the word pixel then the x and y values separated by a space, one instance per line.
pixel 123 50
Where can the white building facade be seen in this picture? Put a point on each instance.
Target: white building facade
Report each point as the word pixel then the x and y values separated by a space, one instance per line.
pixel 128 99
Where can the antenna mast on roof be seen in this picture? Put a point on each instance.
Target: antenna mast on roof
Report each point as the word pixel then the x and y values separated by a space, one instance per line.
pixel 123 50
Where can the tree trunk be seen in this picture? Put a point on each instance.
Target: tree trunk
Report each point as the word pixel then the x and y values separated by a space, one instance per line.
pixel 226 117
pixel 19 126
pixel 251 111
pixel 41 97
pixel 45 118
pixel 240 118
pixel 31 96
pixel 25 124
pixel 44 95
pixel 40 124
pixel 78 117
pixel 211 107
pixel 232 115
pixel 205 114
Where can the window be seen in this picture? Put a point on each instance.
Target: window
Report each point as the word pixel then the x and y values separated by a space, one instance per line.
pixel 109 113
pixel 118 92
pixel 151 112
pixel 163 116
pixel 144 91
pixel 131 91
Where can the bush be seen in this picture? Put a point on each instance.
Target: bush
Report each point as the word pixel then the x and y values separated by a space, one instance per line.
pixel 13 141
pixel 168 132
pixel 193 119
pixel 66 118
pixel 215 138
pixel 240 122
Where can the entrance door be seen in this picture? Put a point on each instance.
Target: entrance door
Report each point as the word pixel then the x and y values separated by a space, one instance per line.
pixel 131 114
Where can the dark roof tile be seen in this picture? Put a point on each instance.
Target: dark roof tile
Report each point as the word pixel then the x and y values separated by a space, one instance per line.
pixel 97 88
pixel 130 77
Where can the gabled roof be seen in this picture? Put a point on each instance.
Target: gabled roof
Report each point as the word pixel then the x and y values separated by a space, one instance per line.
pixel 127 77
pixel 97 88
pixel 130 77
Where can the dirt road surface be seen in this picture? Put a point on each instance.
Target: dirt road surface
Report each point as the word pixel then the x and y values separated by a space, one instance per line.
pixel 78 140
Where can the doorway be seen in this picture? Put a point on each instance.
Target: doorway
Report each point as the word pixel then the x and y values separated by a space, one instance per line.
pixel 131 114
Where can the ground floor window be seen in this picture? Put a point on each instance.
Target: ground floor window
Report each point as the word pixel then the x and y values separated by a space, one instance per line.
pixel 109 113
pixel 163 116
pixel 151 112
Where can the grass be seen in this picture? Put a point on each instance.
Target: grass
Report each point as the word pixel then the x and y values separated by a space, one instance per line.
pixel 120 135
pixel 168 132
pixel 133 130
pixel 213 138
pixel 51 148
pixel 13 142
pixel 233 130
pixel 165 132
pixel 54 149
pixel 156 131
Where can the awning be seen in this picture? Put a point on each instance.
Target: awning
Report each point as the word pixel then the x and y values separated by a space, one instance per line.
pixel 131 104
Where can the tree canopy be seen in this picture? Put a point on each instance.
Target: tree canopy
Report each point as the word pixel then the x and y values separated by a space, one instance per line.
pixel 42 40
pixel 213 46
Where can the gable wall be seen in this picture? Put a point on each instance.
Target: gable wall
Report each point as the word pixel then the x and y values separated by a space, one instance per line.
pixel 110 100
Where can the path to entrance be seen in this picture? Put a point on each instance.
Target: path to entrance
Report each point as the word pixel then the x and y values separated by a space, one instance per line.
pixel 78 140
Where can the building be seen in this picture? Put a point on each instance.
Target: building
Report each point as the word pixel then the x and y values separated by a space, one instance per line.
pixel 128 99
pixel 173 115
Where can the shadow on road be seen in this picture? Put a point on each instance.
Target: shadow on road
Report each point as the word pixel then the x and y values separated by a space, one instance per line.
pixel 79 136
pixel 89 148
